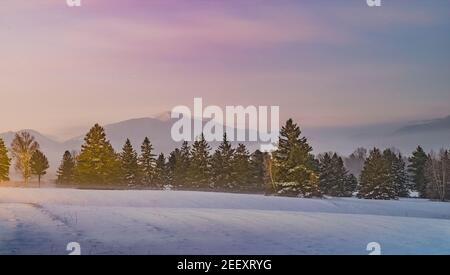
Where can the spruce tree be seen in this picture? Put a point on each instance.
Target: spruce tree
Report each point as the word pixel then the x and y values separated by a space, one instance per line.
pixel 221 164
pixel 258 170
pixel 401 178
pixel 66 170
pixel 147 162
pixel 326 178
pixel 335 179
pixel 129 165
pixel 5 162
pixel 352 184
pixel 376 181
pixel 178 166
pixel 200 163
pixel 160 176
pixel 294 167
pixel 97 162
pixel 39 165
pixel 173 162
pixel 241 172
pixel 397 172
pixel 416 168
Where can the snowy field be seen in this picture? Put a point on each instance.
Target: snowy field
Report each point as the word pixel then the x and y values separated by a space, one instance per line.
pixel 44 221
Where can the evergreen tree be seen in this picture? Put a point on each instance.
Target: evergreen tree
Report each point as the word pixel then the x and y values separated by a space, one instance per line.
pixel 5 162
pixel 294 167
pixel 416 168
pixel 66 170
pixel 129 164
pixel 352 183
pixel 259 176
pixel 376 181
pixel 185 162
pixel 147 162
pixel 400 175
pixel 334 178
pixel 22 149
pixel 397 172
pixel 160 176
pixel 172 166
pixel 97 162
pixel 200 167
pixel 178 166
pixel 221 164
pixel 241 172
pixel 39 165
pixel 326 179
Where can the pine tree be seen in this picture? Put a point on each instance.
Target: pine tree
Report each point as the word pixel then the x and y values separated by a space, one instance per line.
pixel 172 166
pixel 200 167
pixel 39 165
pixel 294 167
pixel 400 174
pixel 221 164
pixel 178 166
pixel 160 176
pixel 376 181
pixel 258 170
pixel 335 179
pixel 5 162
pixel 129 164
pixel 147 162
pixel 416 168
pixel 66 170
pixel 326 178
pixel 397 172
pixel 97 162
pixel 241 172
pixel 22 149
pixel 352 184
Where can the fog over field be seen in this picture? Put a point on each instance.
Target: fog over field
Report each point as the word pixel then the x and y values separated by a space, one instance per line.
pixel 44 221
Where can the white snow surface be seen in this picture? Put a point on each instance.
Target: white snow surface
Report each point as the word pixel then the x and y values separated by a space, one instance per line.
pixel 44 221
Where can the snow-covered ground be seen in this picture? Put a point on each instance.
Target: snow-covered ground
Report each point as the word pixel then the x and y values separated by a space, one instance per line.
pixel 44 221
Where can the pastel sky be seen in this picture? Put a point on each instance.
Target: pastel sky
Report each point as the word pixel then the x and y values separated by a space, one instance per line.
pixel 325 63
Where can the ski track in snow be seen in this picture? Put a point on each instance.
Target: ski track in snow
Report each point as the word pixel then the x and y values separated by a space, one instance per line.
pixel 44 221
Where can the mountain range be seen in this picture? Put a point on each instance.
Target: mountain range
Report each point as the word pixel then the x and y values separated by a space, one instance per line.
pixel 431 134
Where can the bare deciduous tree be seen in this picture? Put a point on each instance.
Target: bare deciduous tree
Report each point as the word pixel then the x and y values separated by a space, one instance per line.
pixel 437 172
pixel 22 148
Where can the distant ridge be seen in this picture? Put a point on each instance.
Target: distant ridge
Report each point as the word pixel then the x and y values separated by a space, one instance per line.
pixel 431 134
pixel 440 124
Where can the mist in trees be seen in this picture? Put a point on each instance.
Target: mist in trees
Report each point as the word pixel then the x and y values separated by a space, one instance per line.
pixel 23 147
pixel 65 173
pixel 5 162
pixel 437 173
pixel 39 165
pixel 291 170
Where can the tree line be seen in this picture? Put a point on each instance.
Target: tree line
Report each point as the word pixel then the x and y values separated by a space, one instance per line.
pixel 291 170
pixel 188 167
pixel 29 160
